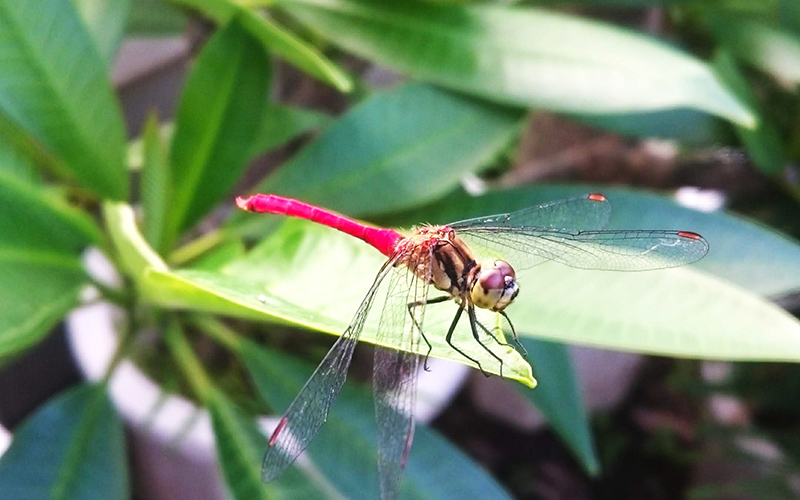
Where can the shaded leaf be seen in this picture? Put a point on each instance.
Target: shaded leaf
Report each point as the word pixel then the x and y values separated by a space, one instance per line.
pixel 106 22
pixel 344 450
pixel 72 448
pixel 54 85
pixel 217 120
pixel 399 149
pixel 771 50
pixel 283 123
pixel 688 126
pixel 558 397
pixel 155 17
pixel 275 39
pixel 523 56
pixel 763 143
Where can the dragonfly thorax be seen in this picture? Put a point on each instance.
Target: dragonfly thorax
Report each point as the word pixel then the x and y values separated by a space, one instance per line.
pixel 494 285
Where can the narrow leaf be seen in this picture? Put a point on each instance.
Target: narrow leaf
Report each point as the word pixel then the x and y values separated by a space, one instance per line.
pixel 218 117
pixel 558 397
pixel 106 22
pixel 54 84
pixel 156 185
pixel 72 448
pixel 344 450
pixel 771 50
pixel 523 56
pixel 763 143
pixel 275 39
pixel 396 150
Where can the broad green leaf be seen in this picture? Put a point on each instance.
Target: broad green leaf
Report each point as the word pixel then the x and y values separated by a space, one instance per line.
pixel 558 397
pixel 269 285
pixel 156 184
pixel 135 254
pixel 344 450
pixel 220 256
pixel 283 123
pixel 763 143
pixel 106 23
pixel 54 85
pixel 40 269
pixel 72 448
pixel 771 50
pixel 275 39
pixel 14 162
pixel 240 449
pixel 688 126
pixel 789 15
pixel 523 56
pixel 155 17
pixel 752 256
pixel 396 150
pixel 218 117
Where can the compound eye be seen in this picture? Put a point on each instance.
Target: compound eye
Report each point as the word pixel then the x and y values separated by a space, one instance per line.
pixel 496 286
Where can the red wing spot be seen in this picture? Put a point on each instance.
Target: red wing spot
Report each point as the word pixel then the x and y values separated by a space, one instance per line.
pixel 596 197
pixel 278 430
pixel 689 234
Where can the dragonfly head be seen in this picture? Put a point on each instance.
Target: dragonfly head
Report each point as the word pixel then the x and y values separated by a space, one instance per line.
pixel 495 286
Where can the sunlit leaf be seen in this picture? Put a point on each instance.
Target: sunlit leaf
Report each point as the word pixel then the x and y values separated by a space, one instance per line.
pixel 72 448
pixel 523 56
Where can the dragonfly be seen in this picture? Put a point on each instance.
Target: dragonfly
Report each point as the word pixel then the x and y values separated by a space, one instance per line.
pixel 468 263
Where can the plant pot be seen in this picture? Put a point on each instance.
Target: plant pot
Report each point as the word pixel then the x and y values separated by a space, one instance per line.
pixel 172 442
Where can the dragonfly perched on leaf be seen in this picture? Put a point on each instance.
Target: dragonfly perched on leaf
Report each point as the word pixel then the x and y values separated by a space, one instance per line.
pixel 445 259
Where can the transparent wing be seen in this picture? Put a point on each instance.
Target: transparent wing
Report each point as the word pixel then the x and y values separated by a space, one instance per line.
pixel 590 211
pixel 613 250
pixel 310 408
pixel 395 372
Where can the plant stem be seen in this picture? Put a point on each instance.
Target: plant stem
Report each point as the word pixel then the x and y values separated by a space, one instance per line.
pixel 115 295
pixel 187 361
pixel 197 247
pixel 218 331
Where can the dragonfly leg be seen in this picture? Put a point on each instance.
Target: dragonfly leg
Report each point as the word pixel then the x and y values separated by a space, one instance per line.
pixel 514 334
pixel 448 338
pixel 411 306
pixel 492 334
pixel 473 320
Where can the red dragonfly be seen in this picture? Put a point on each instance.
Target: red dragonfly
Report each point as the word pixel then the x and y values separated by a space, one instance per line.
pixel 442 258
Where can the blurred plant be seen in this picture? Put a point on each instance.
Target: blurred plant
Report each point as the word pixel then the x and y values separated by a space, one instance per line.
pixel 398 155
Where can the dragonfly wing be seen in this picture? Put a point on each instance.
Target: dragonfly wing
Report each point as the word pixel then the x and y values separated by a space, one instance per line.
pixel 590 211
pixel 395 374
pixel 614 250
pixel 310 408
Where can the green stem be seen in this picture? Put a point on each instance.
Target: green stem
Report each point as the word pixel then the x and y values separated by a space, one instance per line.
pixel 197 247
pixel 218 331
pixel 188 361
pixel 117 296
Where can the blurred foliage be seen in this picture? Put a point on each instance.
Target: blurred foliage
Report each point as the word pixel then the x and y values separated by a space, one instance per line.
pixel 704 74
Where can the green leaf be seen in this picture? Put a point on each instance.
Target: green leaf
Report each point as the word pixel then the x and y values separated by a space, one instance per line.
pixel 265 286
pixel 220 256
pixel 54 85
pixel 155 18
pixel 218 116
pixel 558 397
pixel 106 22
pixel 135 254
pixel 789 15
pixel 523 56
pixel 396 150
pixel 240 449
pixel 344 450
pixel 752 256
pixel 763 143
pixel 771 50
pixel 40 269
pixel 72 448
pixel 283 123
pixel 14 162
pixel 156 185
pixel 688 126
pixel 275 39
